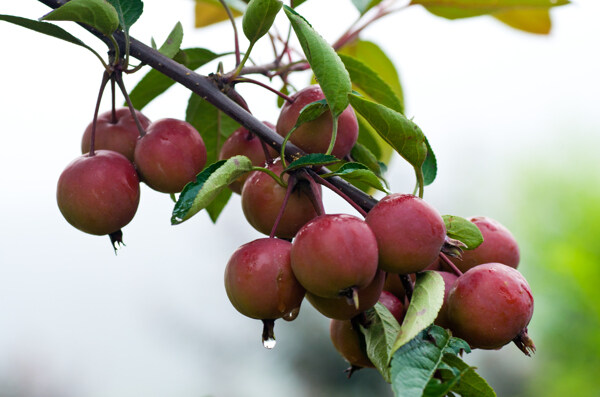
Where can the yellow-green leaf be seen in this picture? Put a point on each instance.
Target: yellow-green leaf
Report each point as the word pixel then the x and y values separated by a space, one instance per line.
pixel 208 12
pixel 530 20
pixel 453 9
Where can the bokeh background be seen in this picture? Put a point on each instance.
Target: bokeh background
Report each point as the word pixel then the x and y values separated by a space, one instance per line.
pixel 513 119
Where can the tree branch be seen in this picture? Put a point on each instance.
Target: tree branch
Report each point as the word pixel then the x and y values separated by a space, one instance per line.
pixel 204 87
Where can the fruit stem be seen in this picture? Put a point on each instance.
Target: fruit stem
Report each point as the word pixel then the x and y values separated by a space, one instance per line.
pixel 235 32
pixel 119 80
pixel 273 90
pixel 113 119
pixel 343 195
pixel 407 284
pixel 105 78
pixel 452 266
pixel 291 183
pixel 271 174
pixel 315 194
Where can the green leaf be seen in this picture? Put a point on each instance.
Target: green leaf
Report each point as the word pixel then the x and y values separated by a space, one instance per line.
pixel 171 46
pixel 453 9
pixel 357 173
pixel 414 363
pixel 312 159
pixel 379 337
pixel 208 12
pixel 45 28
pixel 528 20
pixel 259 18
pixel 155 83
pixel 368 137
pixel 429 165
pixel 296 3
pixel 470 384
pixel 212 124
pixel 361 154
pixel 463 230
pixel 325 63
pixel 365 5
pixel 369 82
pixel 215 208
pixel 375 58
pixel 424 306
pixel 129 11
pixel 311 112
pixel 208 185
pixel 401 133
pixel 99 14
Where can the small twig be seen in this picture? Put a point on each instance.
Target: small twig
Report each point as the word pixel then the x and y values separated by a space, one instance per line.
pixel 407 284
pixel 329 185
pixel 235 32
pixel 273 90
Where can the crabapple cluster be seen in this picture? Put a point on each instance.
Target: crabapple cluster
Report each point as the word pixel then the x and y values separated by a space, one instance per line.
pixel 344 265
pixel 98 193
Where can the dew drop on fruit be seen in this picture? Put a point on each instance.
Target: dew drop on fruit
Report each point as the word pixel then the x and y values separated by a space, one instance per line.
pixel 269 343
pixel 292 315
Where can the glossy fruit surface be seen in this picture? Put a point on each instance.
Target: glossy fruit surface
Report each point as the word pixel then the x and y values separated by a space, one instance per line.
pixel 393 304
pixel 343 308
pixel 489 305
pixel 259 280
pixel 262 197
pixel 333 253
pixel 243 142
pixel 349 342
pixel 170 155
pixel 499 245
pixel 410 233
pixel 99 194
pixel 120 136
pixel 315 136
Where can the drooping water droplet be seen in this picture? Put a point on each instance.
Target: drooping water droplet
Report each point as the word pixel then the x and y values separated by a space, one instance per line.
pixel 268 336
pixel 292 315
pixel 269 343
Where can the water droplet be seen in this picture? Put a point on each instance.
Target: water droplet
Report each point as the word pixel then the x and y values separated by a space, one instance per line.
pixel 178 219
pixel 292 315
pixel 269 343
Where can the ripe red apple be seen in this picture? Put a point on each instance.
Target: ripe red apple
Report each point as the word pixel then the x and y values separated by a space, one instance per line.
pixel 259 280
pixel 315 136
pixel 99 194
pixel 334 253
pixel 393 304
pixel 243 142
pixel 170 155
pixel 410 233
pixel 349 342
pixel 120 136
pixel 499 245
pixel 489 305
pixel 262 198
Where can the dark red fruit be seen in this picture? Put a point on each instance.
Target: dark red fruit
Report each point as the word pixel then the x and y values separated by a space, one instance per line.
pixel 333 254
pixel 315 136
pixel 499 245
pixel 343 308
pixel 243 142
pixel 170 155
pixel 410 233
pixel 442 318
pixel 489 305
pixel 99 194
pixel 259 280
pixel 120 136
pixel 393 304
pixel 262 198
pixel 394 285
pixel 349 342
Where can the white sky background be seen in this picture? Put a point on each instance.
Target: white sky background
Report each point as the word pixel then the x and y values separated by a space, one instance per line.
pixel 73 316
